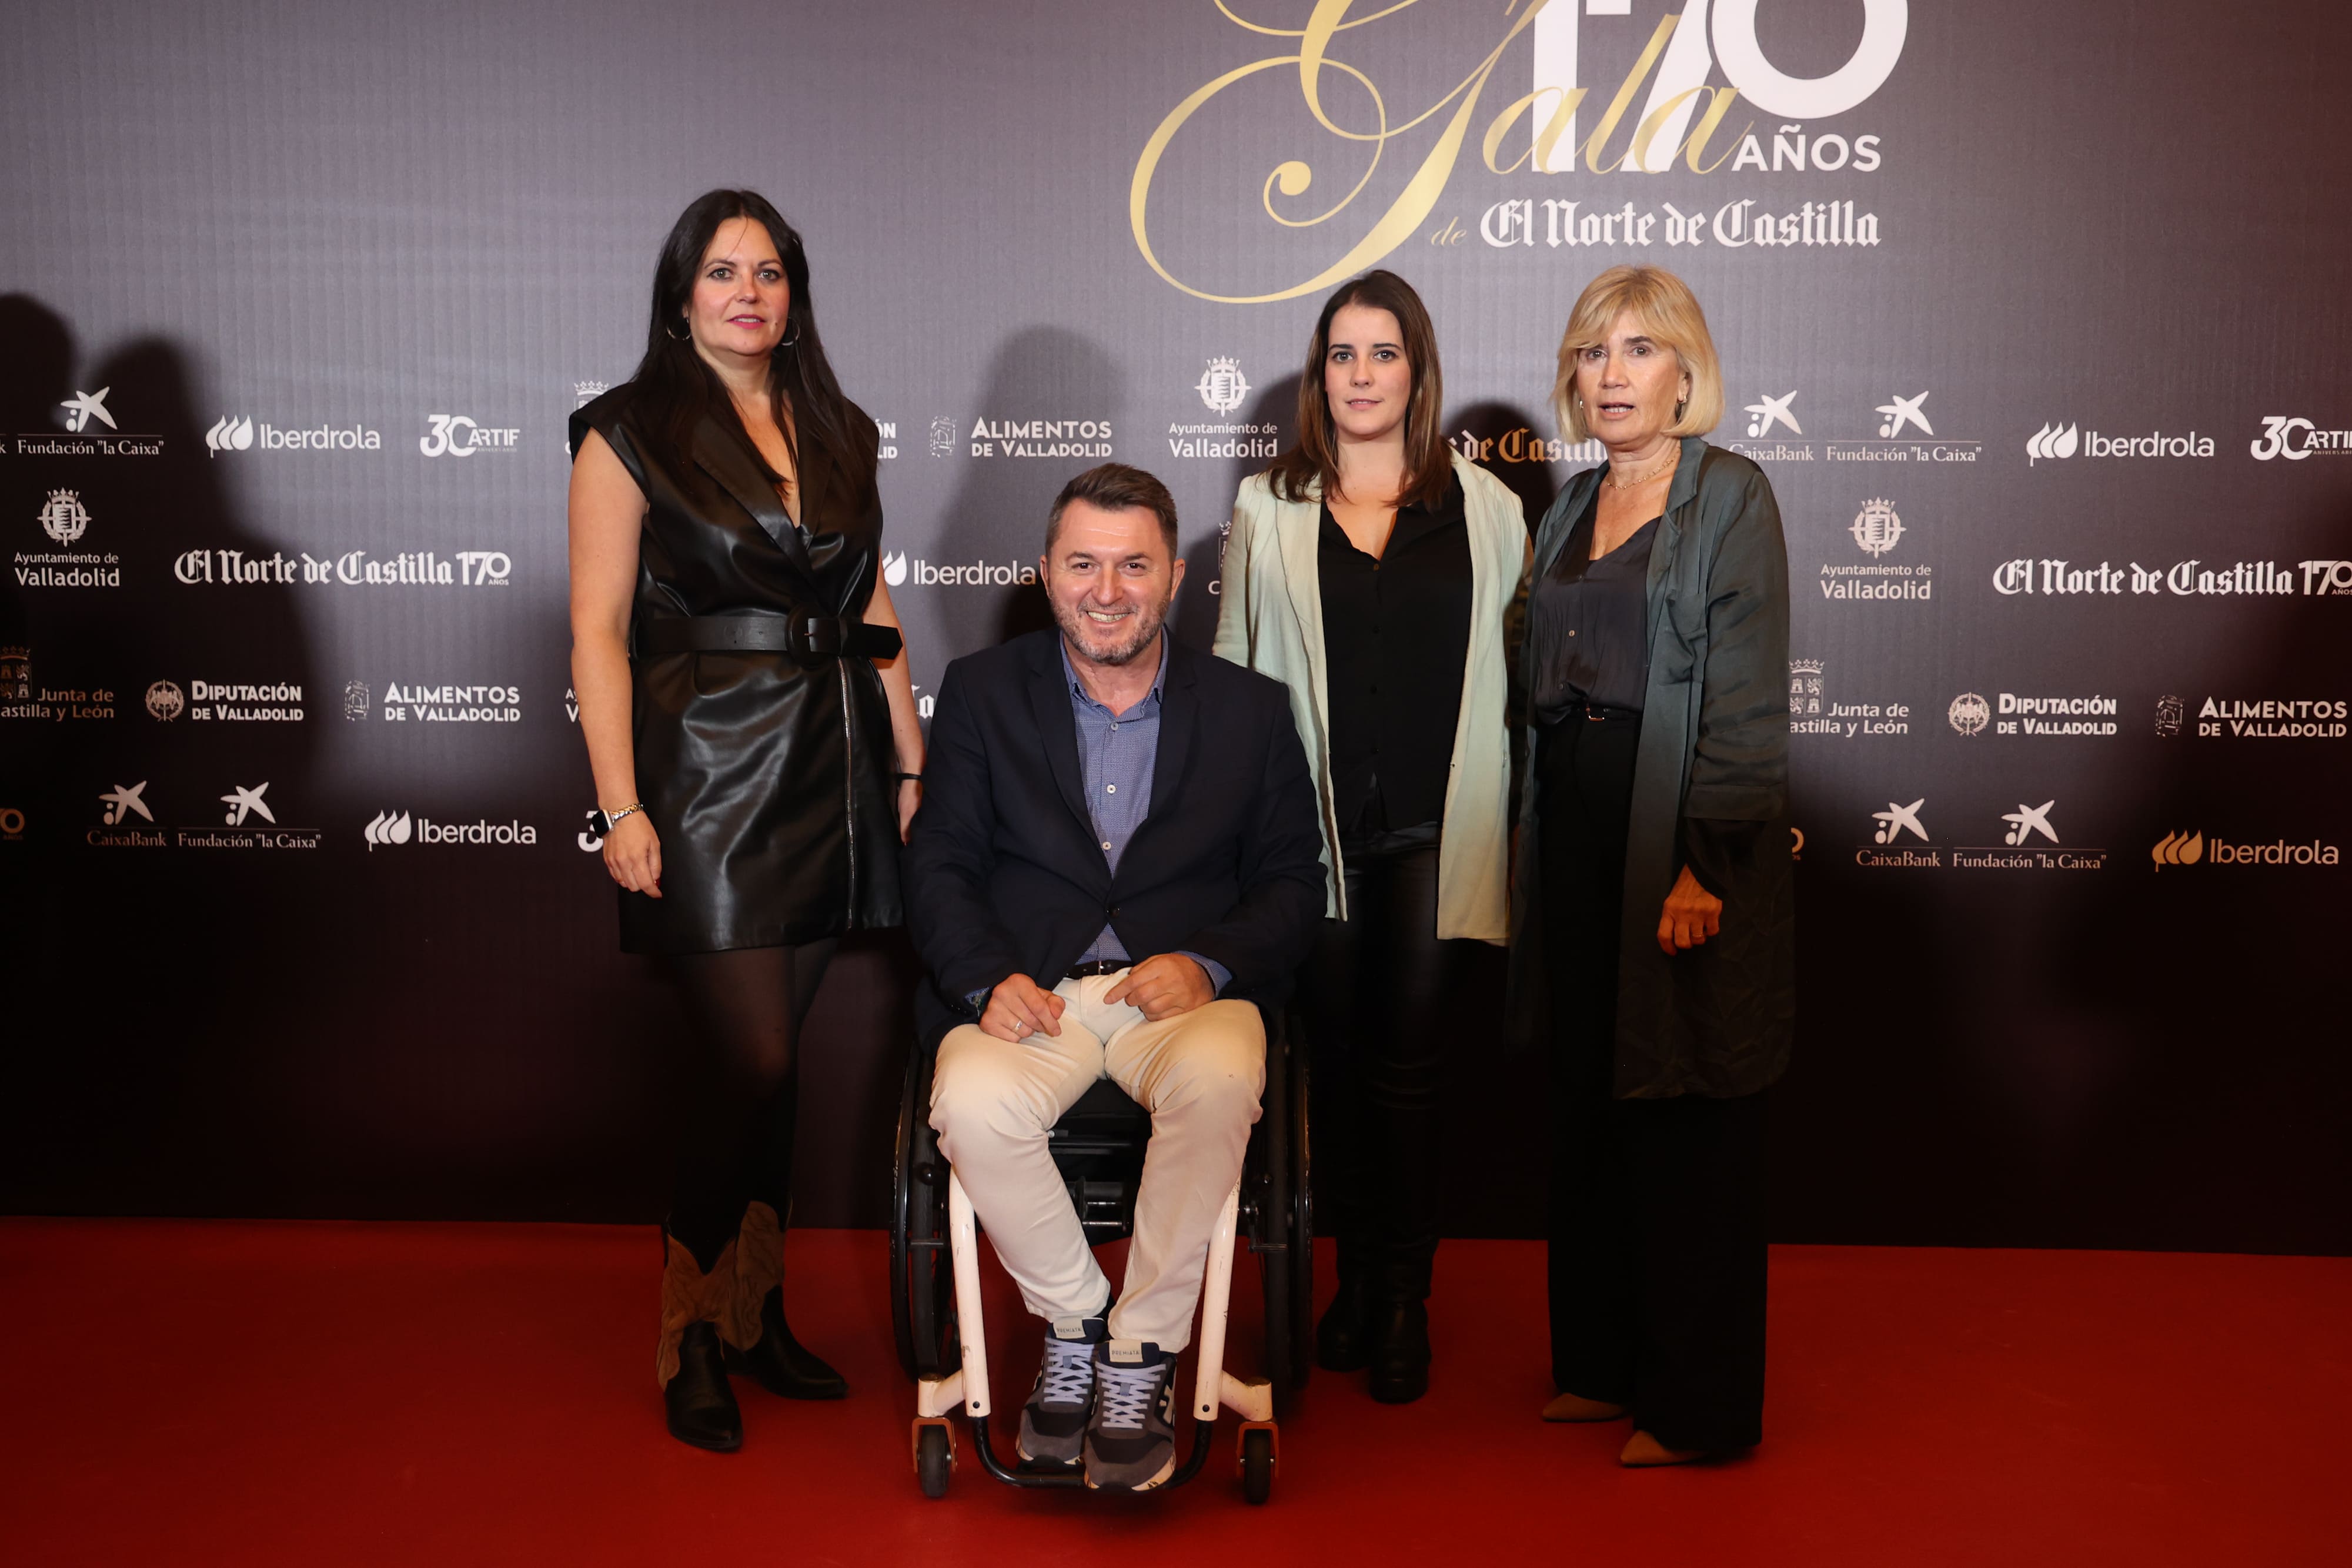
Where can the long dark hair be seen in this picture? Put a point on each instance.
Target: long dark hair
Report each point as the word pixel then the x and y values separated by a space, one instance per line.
pixel 1315 460
pixel 677 389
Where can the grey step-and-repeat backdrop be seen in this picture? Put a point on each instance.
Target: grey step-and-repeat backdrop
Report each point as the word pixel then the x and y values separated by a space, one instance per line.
pixel 2035 315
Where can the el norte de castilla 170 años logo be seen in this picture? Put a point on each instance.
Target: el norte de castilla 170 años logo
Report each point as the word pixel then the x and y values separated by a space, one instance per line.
pixel 1683 119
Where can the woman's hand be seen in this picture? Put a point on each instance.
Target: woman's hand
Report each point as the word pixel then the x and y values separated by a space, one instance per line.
pixel 1692 915
pixel 910 798
pixel 633 854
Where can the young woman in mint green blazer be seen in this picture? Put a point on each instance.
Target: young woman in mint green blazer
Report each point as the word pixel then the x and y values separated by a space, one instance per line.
pixel 1374 572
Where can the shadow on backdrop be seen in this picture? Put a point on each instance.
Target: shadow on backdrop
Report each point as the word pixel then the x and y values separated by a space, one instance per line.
pixel 193 1011
pixel 996 519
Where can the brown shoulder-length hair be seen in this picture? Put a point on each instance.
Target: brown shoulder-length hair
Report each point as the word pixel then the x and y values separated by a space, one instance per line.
pixel 1311 469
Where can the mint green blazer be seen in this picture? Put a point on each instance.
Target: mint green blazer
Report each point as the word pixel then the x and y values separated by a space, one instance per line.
pixel 1270 619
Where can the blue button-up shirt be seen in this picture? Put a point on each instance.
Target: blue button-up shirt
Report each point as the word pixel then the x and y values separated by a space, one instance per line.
pixel 1117 753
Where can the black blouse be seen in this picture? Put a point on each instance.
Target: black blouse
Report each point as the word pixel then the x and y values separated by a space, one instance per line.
pixel 1589 624
pixel 1396 637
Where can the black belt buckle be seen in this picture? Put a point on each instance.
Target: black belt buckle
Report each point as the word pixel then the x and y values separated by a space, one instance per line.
pixel 816 636
pixel 1094 967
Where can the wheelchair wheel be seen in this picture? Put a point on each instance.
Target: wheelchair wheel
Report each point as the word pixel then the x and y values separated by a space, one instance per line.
pixel 922 1283
pixel 1258 1465
pixel 1283 1233
pixel 934 1460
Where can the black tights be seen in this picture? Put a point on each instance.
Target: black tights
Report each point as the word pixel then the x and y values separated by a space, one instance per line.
pixel 746 1007
pixel 1380 995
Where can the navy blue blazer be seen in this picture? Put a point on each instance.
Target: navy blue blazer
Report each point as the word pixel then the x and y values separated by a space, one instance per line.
pixel 1003 874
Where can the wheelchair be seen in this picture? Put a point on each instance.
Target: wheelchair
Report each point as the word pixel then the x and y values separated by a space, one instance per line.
pixel 1098 1149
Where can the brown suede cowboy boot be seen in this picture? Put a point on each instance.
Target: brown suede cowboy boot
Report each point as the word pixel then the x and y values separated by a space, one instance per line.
pixel 689 1362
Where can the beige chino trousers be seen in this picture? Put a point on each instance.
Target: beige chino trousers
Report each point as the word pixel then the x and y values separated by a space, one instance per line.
pixel 994 1101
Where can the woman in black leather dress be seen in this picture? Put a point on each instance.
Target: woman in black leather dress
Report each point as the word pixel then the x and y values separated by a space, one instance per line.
pixel 751 728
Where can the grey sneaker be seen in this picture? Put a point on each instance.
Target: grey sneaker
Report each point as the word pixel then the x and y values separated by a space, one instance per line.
pixel 1131 1441
pixel 1053 1422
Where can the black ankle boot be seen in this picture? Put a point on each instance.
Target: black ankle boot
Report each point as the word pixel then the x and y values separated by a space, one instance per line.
pixel 1400 1355
pixel 1343 1340
pixel 780 1364
pixel 699 1405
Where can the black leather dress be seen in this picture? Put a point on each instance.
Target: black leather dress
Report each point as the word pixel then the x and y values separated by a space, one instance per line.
pixel 765 772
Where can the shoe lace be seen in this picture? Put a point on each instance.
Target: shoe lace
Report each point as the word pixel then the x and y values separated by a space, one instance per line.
pixel 1069 1370
pixel 1127 1395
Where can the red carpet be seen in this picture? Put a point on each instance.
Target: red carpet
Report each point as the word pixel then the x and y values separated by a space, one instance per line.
pixel 343 1395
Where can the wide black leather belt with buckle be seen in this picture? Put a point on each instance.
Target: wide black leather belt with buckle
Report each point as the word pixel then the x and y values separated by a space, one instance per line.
pixel 1094 967
pixel 803 636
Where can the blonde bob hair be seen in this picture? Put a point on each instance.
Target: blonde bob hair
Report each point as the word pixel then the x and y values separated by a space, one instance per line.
pixel 1668 311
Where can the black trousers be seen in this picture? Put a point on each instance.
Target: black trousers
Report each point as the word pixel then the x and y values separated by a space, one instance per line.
pixel 1657 1235
pixel 1378 994
pixel 745 1006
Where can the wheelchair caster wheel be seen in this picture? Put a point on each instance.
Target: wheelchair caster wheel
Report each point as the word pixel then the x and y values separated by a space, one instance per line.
pixel 1257 1463
pixel 934 1456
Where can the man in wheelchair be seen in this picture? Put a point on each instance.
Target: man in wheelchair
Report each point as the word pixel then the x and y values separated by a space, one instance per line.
pixel 1117 859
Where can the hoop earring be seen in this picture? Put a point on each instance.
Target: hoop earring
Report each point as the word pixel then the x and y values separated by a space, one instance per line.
pixel 792 341
pixel 685 336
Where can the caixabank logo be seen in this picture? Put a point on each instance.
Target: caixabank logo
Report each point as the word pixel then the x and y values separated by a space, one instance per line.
pixel 1701 75
pixel 2180 849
